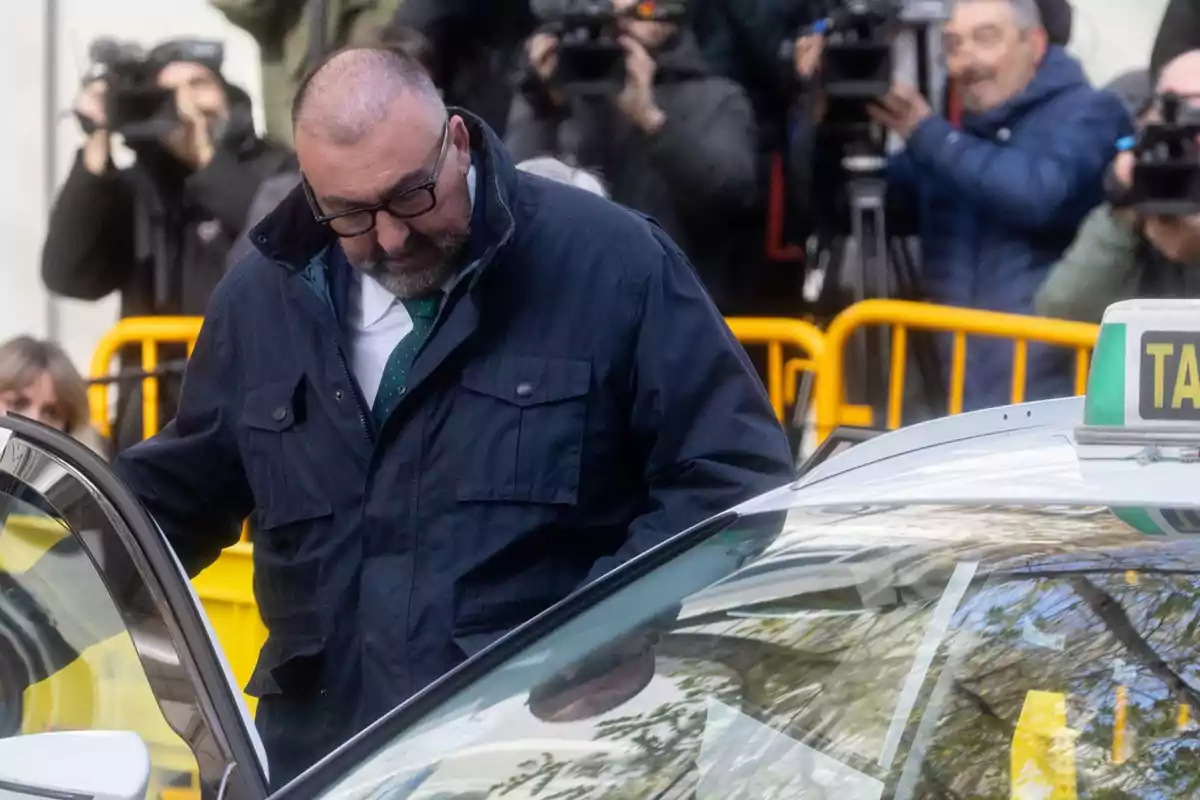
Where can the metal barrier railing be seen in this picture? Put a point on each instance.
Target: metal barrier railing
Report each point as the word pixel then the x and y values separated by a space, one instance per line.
pixel 902 315
pixel 777 334
pixel 148 333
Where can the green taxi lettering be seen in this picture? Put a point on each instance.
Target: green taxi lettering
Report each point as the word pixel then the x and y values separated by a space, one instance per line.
pixel 1169 385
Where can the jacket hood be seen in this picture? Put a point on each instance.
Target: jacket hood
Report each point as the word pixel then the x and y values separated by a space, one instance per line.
pixel 238 133
pixel 1058 73
pixel 680 59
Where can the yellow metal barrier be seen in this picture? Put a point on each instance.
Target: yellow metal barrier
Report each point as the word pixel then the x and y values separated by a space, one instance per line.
pixel 149 333
pixel 777 334
pixel 901 316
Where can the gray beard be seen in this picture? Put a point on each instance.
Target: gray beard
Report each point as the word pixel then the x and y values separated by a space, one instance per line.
pixel 406 285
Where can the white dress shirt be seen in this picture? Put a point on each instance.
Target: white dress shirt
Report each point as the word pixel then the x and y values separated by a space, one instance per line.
pixel 377 321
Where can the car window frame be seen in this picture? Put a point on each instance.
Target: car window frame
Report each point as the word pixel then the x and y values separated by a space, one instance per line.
pixel 158 570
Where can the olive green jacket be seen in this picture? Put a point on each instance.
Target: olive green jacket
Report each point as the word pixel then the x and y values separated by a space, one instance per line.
pixel 1108 262
pixel 283 29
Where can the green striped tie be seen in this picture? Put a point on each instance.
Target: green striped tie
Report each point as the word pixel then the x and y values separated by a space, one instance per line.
pixel 423 311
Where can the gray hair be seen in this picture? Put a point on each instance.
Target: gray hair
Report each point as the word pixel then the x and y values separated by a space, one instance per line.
pixel 555 170
pixel 1027 13
pixel 353 89
pixel 24 359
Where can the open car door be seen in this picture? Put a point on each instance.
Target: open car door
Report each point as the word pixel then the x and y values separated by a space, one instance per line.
pixel 100 632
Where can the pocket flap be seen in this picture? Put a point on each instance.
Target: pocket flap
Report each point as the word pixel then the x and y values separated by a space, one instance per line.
pixel 287 665
pixel 529 381
pixel 271 406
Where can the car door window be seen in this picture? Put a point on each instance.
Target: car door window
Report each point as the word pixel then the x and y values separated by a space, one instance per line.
pixel 98 628
pixel 68 662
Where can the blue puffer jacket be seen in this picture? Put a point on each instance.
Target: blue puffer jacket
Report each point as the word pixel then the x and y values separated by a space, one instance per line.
pixel 999 202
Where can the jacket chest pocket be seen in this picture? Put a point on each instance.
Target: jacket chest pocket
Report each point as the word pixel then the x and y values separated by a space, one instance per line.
pixel 276 456
pixel 522 422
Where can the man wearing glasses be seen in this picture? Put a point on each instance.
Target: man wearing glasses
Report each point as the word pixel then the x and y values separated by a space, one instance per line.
pixel 450 393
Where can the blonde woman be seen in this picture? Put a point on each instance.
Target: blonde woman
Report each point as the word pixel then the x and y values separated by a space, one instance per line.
pixel 38 381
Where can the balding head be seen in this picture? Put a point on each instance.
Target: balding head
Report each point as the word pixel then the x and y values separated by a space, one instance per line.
pixel 357 89
pixel 1181 75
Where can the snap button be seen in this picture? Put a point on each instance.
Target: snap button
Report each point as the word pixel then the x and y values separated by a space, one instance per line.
pixel 403 390
pixel 338 395
pixel 279 414
pixel 1004 134
pixel 524 389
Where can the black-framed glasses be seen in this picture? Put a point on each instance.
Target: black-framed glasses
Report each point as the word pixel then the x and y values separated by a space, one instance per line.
pixel 405 204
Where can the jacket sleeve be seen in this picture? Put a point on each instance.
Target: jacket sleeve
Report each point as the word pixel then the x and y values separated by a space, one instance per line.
pixel 190 476
pixel 227 186
pixel 1050 187
pixel 1100 268
pixel 708 152
pixel 89 248
pixel 1178 33
pixel 699 413
pixel 531 131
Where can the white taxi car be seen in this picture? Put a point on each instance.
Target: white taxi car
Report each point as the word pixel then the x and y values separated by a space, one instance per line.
pixel 999 604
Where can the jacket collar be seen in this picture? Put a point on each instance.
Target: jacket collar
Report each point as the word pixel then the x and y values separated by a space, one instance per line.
pixel 290 237
pixel 1058 72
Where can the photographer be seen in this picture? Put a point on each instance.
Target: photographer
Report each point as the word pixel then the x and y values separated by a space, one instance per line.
pixel 998 201
pixel 671 140
pixel 159 231
pixel 1121 252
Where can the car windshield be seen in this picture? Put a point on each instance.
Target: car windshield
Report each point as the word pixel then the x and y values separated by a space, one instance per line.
pixel 855 653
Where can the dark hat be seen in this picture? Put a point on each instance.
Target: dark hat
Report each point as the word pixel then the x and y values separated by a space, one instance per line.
pixel 205 52
pixel 1057 18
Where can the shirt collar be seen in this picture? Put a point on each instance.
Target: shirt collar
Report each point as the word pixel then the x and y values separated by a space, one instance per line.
pixel 376 300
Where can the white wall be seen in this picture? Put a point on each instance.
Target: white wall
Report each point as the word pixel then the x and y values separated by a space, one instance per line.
pixel 1110 36
pixel 23 87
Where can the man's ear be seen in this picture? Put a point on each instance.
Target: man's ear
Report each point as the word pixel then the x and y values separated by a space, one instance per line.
pixel 1039 40
pixel 460 138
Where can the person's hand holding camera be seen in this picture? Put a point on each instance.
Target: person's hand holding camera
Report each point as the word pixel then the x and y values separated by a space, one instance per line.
pixel 192 142
pixel 1122 173
pixel 807 59
pixel 542 51
pixel 902 110
pixel 636 101
pixel 1177 238
pixel 91 105
pixel 807 55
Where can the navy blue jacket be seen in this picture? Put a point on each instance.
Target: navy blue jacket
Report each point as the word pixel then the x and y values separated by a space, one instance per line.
pixel 579 401
pixel 1000 200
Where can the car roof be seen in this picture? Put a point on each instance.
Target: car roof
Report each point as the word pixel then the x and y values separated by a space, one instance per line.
pixel 1020 455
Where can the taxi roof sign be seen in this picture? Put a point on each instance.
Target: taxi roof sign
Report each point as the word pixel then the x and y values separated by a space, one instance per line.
pixel 1145 370
pixel 1141 418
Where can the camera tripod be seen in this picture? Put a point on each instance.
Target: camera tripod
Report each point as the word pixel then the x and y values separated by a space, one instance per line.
pixel 869 263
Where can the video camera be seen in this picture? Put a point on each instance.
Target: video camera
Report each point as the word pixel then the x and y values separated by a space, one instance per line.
pixel 136 107
pixel 591 60
pixel 868 45
pixel 1166 171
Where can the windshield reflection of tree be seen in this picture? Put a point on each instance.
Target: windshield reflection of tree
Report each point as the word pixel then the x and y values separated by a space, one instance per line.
pixel 832 682
pixel 1083 636
pixel 828 681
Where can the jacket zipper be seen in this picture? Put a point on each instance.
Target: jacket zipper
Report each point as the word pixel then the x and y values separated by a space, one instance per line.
pixel 362 417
